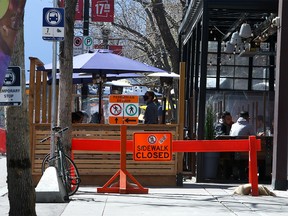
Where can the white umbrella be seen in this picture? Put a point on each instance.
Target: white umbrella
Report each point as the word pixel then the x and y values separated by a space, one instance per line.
pixel 121 83
pixel 164 74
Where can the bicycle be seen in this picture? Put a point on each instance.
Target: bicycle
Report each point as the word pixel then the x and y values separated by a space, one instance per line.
pixel 65 166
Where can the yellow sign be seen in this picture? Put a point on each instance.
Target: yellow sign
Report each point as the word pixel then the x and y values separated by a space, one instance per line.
pixel 123 109
pixel 152 146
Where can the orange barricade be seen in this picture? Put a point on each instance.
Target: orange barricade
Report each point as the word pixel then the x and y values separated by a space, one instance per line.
pixel 251 145
pixel 2 141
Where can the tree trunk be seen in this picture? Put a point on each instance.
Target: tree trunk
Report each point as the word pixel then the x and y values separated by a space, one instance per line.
pixel 66 70
pixel 21 191
pixel 170 44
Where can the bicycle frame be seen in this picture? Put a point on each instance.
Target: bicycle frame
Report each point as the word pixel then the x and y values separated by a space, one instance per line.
pixel 65 167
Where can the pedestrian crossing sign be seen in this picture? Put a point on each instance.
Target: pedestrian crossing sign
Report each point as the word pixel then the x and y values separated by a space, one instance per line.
pixel 123 109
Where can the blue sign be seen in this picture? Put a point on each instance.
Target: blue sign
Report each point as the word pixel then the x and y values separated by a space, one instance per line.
pixel 53 24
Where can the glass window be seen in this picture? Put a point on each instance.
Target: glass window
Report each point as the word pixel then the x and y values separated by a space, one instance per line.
pixel 242 72
pixel 226 83
pixel 260 60
pixel 227 59
pixel 260 84
pixel 227 71
pixel 212 59
pixel 260 72
pixel 211 71
pixel 265 47
pixel 241 60
pixel 211 83
pixel 212 46
pixel 241 84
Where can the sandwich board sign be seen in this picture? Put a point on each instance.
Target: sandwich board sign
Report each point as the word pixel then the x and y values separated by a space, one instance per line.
pixel 152 146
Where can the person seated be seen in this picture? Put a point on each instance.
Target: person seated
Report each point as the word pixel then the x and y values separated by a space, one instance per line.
pixel 224 124
pixel 76 118
pixel 95 118
pixel 242 127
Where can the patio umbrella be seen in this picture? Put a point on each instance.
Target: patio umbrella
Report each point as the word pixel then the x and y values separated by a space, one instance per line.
pixel 164 74
pixel 103 62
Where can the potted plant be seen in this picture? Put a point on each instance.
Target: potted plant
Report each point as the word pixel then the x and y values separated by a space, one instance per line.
pixel 211 159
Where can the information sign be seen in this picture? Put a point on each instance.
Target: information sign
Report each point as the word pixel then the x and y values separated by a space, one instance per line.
pixel 11 92
pixel 87 43
pixel 102 10
pixel 53 24
pixel 123 109
pixel 152 146
pixel 77 45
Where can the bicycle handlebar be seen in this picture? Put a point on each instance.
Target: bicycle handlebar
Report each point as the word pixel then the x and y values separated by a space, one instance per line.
pixel 57 130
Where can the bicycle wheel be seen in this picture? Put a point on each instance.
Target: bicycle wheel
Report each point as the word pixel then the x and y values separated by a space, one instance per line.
pixel 70 175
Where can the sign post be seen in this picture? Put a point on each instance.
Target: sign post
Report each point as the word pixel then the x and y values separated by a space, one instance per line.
pixel 50 187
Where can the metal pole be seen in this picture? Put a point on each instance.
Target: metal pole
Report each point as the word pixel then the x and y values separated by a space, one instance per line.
pixel 86 18
pixel 280 138
pixel 53 104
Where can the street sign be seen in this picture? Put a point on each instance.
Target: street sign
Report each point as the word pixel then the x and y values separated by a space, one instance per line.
pixel 123 109
pixel 53 24
pixel 78 45
pixel 87 43
pixel 11 92
pixel 152 146
pixel 102 10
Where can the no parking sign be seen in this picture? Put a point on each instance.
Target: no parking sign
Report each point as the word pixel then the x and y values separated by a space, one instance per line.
pixel 78 45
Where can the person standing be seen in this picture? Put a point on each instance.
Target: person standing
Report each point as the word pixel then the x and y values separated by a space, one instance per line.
pixel 151 112
pixel 242 127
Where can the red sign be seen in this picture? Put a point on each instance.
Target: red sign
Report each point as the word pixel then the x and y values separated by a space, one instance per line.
pixel 116 49
pixel 78 11
pixel 102 10
pixel 152 146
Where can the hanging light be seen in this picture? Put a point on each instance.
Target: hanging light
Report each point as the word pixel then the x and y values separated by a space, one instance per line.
pixel 245 31
pixel 228 48
pixel 236 39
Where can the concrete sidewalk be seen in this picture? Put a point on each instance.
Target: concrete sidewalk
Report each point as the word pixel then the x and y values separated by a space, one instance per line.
pixel 191 199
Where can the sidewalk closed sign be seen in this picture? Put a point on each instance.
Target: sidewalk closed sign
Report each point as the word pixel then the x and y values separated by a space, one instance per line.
pixel 152 146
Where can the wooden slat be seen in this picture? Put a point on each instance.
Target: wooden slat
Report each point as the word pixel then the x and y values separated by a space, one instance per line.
pixel 49 103
pixel 37 97
pixel 44 98
pixel 103 163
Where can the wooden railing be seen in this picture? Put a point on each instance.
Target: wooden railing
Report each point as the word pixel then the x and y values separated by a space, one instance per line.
pixel 93 165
